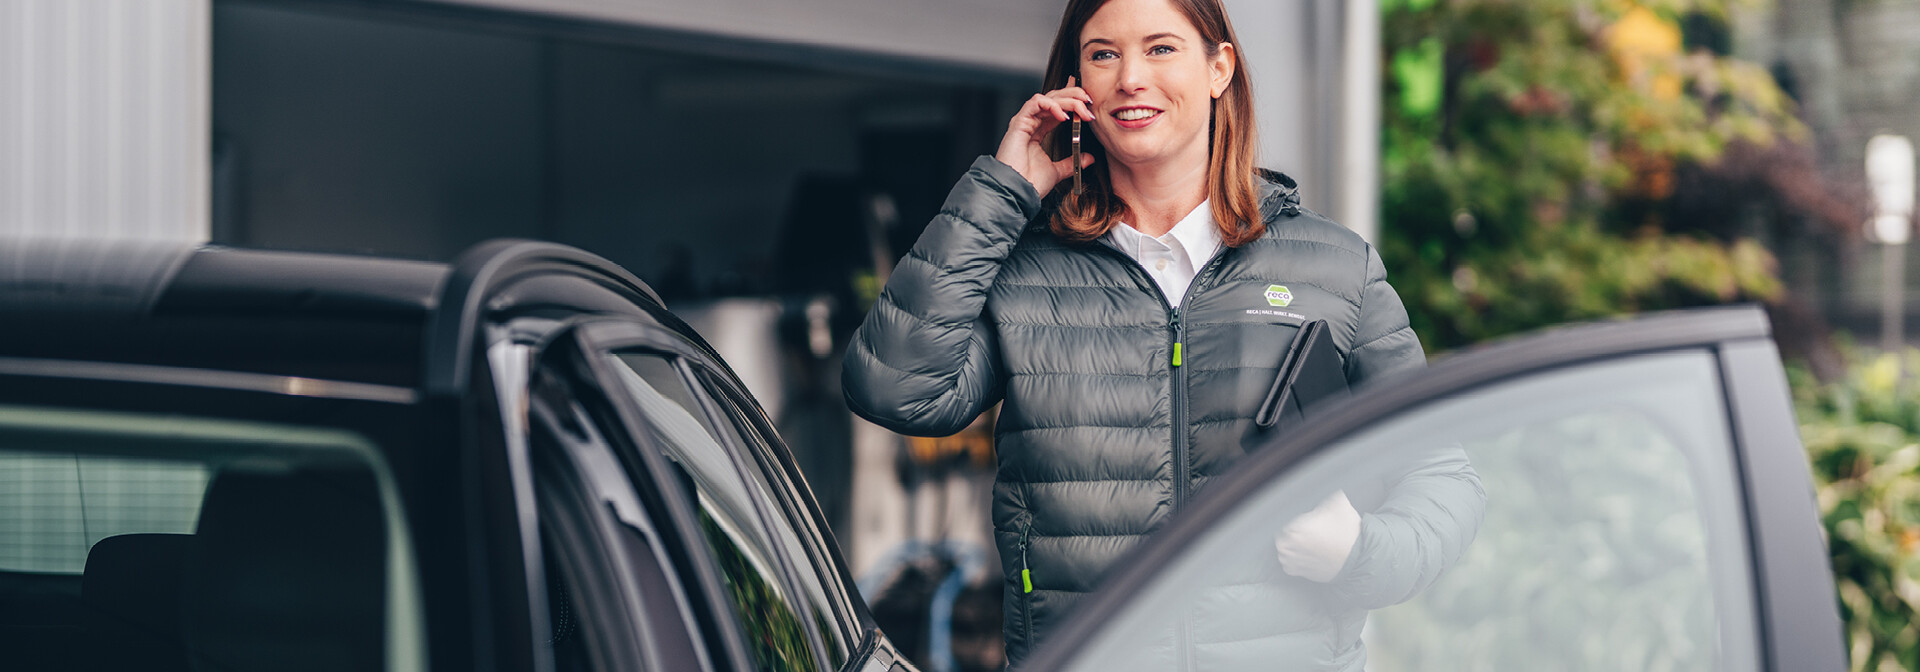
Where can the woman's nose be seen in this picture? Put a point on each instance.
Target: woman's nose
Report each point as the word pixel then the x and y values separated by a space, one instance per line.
pixel 1130 77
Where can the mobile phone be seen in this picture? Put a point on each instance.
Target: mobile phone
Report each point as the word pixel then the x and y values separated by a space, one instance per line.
pixel 1077 189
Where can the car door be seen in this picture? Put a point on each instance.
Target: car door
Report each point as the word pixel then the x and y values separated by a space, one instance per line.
pixel 1628 495
pixel 787 590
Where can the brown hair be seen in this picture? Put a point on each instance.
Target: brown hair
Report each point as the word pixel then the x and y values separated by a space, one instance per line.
pixel 1230 170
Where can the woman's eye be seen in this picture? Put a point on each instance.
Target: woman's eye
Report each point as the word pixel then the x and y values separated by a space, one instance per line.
pixel 1160 50
pixel 1101 55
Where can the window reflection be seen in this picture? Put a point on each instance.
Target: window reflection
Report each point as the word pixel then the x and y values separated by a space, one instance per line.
pixel 1611 539
pixel 785 531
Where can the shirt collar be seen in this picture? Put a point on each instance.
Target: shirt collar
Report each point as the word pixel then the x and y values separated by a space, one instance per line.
pixel 1196 233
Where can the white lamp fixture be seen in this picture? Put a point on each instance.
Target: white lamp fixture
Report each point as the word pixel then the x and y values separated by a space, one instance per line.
pixel 1890 174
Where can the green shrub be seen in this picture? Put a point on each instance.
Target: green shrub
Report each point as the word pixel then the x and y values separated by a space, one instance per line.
pixel 1862 435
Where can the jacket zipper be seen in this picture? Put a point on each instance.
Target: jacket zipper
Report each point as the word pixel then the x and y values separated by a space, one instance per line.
pixel 1177 378
pixel 1026 585
pixel 1179 385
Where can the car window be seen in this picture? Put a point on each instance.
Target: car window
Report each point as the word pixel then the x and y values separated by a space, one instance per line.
pixel 134 541
pixel 53 508
pixel 1585 518
pixel 768 607
pixel 808 559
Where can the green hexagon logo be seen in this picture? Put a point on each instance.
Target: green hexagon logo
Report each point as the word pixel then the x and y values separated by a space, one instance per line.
pixel 1279 295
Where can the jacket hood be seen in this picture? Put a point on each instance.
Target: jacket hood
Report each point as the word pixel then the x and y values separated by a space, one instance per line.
pixel 1279 194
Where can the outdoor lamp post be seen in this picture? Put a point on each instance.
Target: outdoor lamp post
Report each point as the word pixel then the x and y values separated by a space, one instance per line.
pixel 1890 173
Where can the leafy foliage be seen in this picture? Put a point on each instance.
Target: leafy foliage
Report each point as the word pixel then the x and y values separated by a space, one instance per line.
pixel 1528 145
pixel 1863 436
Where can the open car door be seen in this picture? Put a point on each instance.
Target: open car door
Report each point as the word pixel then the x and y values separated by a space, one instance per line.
pixel 1626 495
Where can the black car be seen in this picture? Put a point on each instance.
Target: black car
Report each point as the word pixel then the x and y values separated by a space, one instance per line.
pixel 221 459
pixel 1647 506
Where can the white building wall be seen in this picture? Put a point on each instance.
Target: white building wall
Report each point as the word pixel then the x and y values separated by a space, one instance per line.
pixel 104 117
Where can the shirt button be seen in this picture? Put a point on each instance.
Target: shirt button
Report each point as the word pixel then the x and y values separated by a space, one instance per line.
pixel 1160 265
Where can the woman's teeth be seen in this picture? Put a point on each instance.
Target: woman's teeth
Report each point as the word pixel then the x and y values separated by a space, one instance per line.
pixel 1134 114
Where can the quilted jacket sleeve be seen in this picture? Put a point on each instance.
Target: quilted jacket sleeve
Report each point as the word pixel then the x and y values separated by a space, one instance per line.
pixel 924 361
pixel 1431 513
pixel 1383 342
pixel 1433 506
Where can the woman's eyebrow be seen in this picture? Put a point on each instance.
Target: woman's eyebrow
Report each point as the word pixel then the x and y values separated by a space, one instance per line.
pixel 1149 38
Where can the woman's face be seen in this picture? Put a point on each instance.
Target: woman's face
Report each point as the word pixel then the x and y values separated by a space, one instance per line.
pixel 1151 81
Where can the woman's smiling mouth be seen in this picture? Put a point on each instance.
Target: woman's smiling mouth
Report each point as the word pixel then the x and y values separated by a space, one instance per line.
pixel 1135 117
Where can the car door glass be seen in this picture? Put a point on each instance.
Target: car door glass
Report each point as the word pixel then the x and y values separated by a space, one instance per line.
pixel 169 541
pixel 1585 518
pixel 765 603
pixel 812 575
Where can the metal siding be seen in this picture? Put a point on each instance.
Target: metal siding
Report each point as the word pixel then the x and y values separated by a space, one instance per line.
pixel 104 118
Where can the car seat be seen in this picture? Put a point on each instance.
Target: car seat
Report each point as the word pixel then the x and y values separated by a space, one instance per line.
pixel 131 589
pixel 289 574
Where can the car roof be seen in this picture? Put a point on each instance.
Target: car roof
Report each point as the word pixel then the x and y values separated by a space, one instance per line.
pixel 327 316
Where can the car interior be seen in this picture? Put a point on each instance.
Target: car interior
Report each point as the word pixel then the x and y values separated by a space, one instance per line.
pixel 209 561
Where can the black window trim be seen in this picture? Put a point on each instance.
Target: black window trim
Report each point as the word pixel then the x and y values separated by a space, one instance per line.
pixel 611 336
pixel 1767 463
pixel 692 561
pixel 587 530
pixel 852 609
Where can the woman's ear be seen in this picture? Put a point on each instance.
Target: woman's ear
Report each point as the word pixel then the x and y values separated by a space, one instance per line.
pixel 1222 68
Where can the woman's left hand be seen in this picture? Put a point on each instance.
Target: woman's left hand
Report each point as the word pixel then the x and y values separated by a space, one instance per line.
pixel 1316 545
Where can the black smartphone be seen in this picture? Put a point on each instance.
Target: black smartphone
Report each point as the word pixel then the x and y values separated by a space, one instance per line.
pixel 1077 189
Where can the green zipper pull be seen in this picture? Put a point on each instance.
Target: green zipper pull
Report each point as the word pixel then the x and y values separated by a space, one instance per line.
pixel 1176 334
pixel 1026 575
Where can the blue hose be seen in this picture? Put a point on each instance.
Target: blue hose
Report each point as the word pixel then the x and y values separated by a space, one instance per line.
pixel 965 559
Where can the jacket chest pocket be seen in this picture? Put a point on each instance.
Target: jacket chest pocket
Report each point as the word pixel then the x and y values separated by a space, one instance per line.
pixel 1248 344
pixel 1232 365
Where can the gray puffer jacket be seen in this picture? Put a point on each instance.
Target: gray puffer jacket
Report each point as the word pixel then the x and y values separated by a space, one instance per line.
pixel 1119 408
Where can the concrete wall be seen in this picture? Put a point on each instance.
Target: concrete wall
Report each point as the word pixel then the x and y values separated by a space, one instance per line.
pixel 103 118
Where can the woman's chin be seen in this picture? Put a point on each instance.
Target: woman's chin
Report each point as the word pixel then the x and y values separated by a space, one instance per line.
pixel 1137 158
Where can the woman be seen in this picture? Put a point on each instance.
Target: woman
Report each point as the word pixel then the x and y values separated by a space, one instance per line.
pixel 1133 328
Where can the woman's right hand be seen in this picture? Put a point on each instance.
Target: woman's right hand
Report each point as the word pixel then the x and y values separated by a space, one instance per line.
pixel 1023 147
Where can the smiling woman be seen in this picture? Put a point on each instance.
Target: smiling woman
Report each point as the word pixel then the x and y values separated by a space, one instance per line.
pixel 1179 98
pixel 1131 331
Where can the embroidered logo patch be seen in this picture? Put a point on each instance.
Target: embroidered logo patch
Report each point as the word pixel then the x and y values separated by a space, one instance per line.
pixel 1279 295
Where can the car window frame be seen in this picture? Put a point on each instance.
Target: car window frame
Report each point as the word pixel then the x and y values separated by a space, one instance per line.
pixel 1793 585
pixel 662 497
pixel 697 365
pixel 591 474
pixel 598 340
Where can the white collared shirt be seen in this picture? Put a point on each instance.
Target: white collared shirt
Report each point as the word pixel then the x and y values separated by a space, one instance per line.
pixel 1173 258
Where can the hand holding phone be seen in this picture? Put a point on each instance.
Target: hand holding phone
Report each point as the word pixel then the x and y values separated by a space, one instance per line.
pixel 1024 147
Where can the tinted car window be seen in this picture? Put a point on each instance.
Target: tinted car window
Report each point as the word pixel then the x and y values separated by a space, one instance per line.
pixel 53 508
pixel 201 544
pixel 814 575
pixel 768 607
pixel 1611 539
